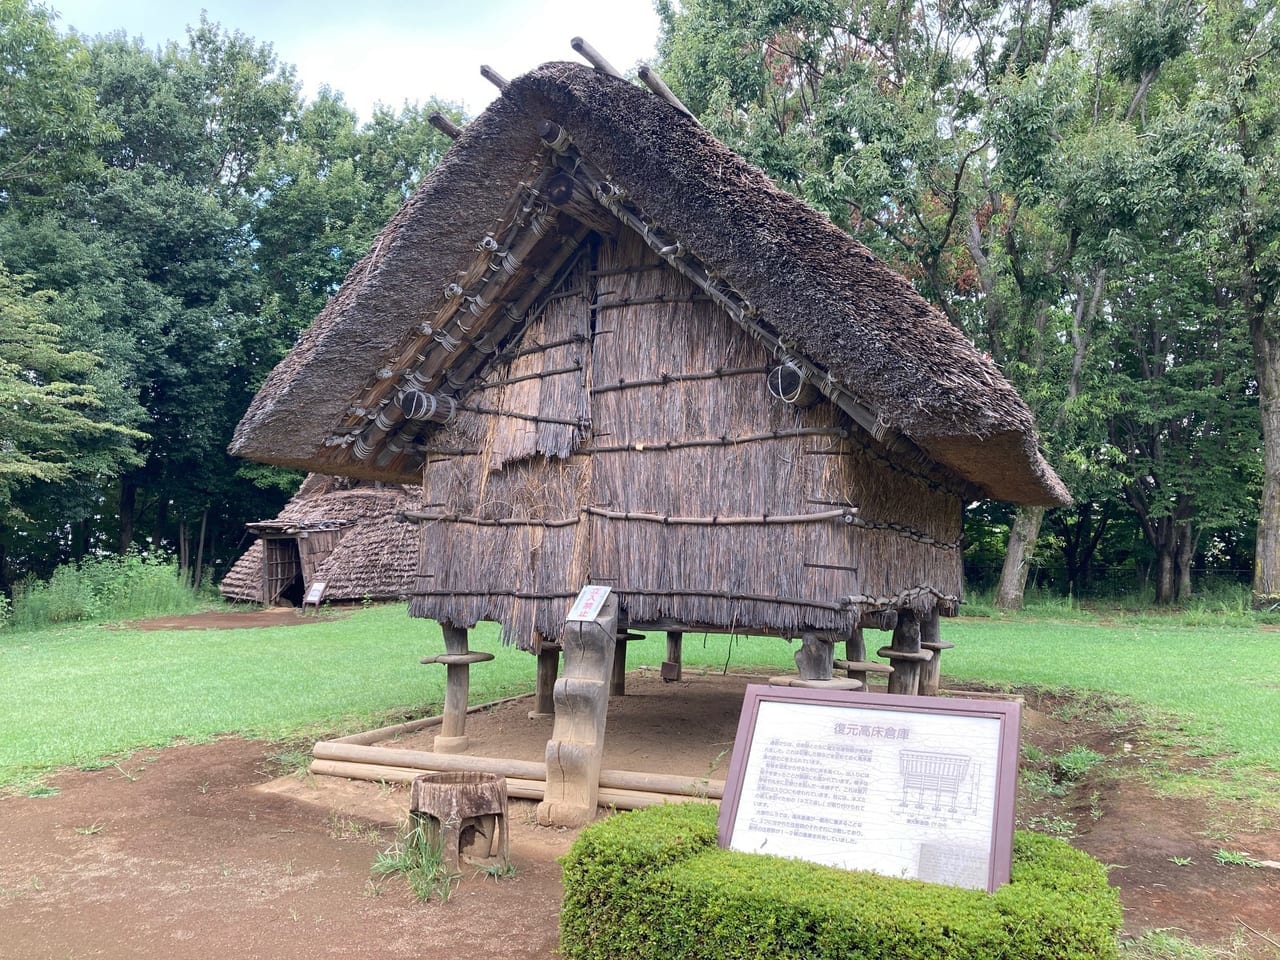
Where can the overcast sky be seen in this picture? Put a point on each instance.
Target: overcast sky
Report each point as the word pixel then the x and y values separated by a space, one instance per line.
pixel 392 51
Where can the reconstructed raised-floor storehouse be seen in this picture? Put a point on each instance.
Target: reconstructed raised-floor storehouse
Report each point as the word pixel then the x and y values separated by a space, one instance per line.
pixel 613 352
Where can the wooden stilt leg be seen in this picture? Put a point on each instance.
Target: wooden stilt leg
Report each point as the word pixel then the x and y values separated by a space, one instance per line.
pixel 618 678
pixel 906 655
pixel 672 667
pixel 816 657
pixel 931 640
pixel 453 728
pixel 856 665
pixel 544 693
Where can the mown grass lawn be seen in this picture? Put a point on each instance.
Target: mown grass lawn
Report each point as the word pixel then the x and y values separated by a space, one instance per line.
pixel 77 693
pixel 73 695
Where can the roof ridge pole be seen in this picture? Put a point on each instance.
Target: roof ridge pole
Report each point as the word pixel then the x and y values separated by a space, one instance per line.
pixel 592 56
pixel 656 84
pixel 444 125
pixel 494 77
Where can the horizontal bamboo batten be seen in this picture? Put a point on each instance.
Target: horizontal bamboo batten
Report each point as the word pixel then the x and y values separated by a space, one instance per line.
pixel 541 346
pixel 668 378
pixel 634 592
pixel 848 516
pixel 727 440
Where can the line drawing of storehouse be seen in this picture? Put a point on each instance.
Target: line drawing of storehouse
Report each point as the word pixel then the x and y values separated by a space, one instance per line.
pixel 611 351
pixel 933 779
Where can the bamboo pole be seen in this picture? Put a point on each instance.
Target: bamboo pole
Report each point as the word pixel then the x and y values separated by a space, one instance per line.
pixel 620 799
pixel 414 726
pixel 533 770
pixel 764 519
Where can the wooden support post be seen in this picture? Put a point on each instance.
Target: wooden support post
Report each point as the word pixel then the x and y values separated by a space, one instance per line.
pixel 816 657
pixel 931 640
pixel 544 693
pixel 906 655
pixel 856 665
pixel 457 688
pixel 815 661
pixel 618 676
pixel 581 699
pixel 673 666
pixel 855 651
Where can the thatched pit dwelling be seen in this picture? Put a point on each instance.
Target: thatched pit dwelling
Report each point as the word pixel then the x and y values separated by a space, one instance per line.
pixel 615 353
pixel 347 534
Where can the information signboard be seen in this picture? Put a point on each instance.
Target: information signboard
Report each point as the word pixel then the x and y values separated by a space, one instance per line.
pixel 919 787
pixel 590 601
pixel 315 593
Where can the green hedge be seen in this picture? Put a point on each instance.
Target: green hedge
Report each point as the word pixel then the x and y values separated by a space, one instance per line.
pixel 653 884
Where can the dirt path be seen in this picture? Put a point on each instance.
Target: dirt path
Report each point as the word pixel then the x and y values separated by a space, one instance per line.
pixel 201 851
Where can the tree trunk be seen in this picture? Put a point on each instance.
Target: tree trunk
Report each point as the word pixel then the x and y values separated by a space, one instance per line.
pixel 1186 556
pixel 162 523
pixel 1166 582
pixel 128 512
pixel 1266 565
pixel 1017 559
pixel 199 568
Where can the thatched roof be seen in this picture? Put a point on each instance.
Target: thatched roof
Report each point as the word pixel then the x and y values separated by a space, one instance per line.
pixel 376 552
pixel 785 272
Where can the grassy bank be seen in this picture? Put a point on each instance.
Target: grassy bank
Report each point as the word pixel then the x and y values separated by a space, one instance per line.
pixel 78 693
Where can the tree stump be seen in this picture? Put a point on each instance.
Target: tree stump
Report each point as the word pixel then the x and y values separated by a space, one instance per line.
pixel 464 814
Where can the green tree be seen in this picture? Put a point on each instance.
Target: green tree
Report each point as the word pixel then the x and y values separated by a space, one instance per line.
pixel 321 194
pixel 50 126
pixel 1236 91
pixel 1031 167
pixel 52 429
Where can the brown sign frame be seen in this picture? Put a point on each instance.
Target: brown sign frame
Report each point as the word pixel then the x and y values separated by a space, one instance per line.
pixel 1006 712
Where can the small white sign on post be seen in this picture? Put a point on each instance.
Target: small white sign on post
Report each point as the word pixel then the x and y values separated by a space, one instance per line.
pixel 315 593
pixel 590 600
pixel 919 787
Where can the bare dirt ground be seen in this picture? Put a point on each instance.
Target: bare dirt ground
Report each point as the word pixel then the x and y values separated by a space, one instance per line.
pixel 205 850
pixel 248 616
